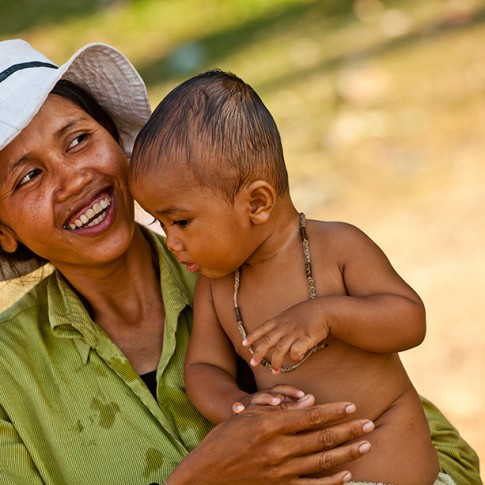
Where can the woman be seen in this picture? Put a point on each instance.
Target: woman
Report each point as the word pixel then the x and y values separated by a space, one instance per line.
pixel 80 353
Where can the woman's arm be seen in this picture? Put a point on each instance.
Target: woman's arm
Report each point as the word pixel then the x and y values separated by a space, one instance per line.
pixel 16 464
pixel 275 445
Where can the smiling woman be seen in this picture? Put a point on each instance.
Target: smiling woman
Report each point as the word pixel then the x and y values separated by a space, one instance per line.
pixel 92 357
pixel 48 167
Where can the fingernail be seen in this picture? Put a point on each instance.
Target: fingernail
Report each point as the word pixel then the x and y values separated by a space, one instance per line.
pixel 239 408
pixel 244 342
pixel 275 400
pixel 300 393
pixel 350 409
pixel 364 448
pixel 304 398
pixel 252 362
pixel 369 426
pixel 347 477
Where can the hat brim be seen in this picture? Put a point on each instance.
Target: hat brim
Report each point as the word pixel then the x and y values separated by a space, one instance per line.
pixel 103 72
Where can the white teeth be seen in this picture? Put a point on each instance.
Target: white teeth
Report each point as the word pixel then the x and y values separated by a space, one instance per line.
pixel 87 217
pixel 97 220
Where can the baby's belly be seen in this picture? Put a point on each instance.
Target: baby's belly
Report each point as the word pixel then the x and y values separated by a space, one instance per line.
pixel 340 372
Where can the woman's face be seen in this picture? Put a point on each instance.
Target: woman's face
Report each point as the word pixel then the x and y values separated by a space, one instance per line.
pixel 63 189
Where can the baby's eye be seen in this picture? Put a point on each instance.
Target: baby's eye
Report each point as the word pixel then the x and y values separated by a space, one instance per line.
pixel 76 141
pixel 29 176
pixel 182 223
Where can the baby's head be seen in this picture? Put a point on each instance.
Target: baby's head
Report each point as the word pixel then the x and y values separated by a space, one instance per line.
pixel 216 128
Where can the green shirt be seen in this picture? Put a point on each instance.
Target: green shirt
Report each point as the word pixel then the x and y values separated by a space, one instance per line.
pixel 73 410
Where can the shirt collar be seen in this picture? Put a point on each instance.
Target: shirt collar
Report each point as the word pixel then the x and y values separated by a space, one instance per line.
pixel 69 318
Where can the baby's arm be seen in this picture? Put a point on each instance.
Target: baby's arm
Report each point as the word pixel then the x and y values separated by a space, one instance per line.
pixel 210 366
pixel 379 313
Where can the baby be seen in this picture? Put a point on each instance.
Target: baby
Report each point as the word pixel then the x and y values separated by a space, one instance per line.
pixel 308 304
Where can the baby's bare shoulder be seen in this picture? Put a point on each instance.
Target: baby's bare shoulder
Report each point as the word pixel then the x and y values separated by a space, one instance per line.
pixel 335 231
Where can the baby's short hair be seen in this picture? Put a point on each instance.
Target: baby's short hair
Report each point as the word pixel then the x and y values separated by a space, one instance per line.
pixel 216 126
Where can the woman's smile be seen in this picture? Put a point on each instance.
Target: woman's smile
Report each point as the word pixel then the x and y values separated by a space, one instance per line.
pixel 91 216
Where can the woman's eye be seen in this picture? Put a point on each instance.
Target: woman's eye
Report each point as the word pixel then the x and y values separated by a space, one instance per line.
pixel 29 176
pixel 76 141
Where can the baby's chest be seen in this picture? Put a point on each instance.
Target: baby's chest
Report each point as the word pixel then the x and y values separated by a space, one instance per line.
pixel 263 297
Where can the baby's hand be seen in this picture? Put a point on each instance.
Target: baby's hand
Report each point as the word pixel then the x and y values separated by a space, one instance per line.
pixel 293 332
pixel 274 396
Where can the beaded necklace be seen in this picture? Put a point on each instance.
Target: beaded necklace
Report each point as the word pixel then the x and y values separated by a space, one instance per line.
pixel 313 295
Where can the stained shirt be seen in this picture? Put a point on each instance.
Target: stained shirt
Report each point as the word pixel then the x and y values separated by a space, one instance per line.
pixel 72 409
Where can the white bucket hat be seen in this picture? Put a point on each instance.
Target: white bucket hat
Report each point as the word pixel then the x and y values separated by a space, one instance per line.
pixel 27 77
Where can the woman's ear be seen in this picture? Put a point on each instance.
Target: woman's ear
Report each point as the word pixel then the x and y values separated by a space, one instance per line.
pixel 260 196
pixel 8 241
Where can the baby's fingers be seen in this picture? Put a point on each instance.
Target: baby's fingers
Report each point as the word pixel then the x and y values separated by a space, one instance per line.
pixel 265 398
pixel 280 351
pixel 259 333
pixel 292 392
pixel 300 348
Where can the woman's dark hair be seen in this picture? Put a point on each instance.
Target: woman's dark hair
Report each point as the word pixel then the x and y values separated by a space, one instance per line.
pixel 86 102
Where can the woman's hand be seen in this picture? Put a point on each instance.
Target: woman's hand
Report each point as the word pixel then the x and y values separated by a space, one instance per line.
pixel 269 445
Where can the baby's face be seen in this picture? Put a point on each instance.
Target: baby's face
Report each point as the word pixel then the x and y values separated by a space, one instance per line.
pixel 205 232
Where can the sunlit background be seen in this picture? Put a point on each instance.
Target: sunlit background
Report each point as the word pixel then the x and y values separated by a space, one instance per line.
pixel 381 108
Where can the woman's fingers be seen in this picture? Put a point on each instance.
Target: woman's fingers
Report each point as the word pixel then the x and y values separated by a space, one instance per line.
pixel 331 437
pixel 339 478
pixel 282 445
pixel 293 419
pixel 324 461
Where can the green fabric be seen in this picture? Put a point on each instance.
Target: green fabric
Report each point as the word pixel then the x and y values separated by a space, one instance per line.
pixel 73 410
pixel 456 457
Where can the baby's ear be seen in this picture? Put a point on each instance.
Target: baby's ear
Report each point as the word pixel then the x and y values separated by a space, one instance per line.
pixel 261 197
pixel 8 241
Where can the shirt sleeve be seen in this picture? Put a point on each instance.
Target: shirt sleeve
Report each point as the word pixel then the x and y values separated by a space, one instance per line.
pixel 457 458
pixel 16 464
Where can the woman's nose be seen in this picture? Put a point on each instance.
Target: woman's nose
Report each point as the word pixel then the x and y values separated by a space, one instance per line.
pixel 72 182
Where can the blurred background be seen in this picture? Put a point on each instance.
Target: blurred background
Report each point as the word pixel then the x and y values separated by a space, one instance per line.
pixel 381 108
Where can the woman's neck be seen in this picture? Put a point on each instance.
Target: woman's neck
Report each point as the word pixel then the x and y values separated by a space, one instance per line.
pixel 123 289
pixel 125 300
